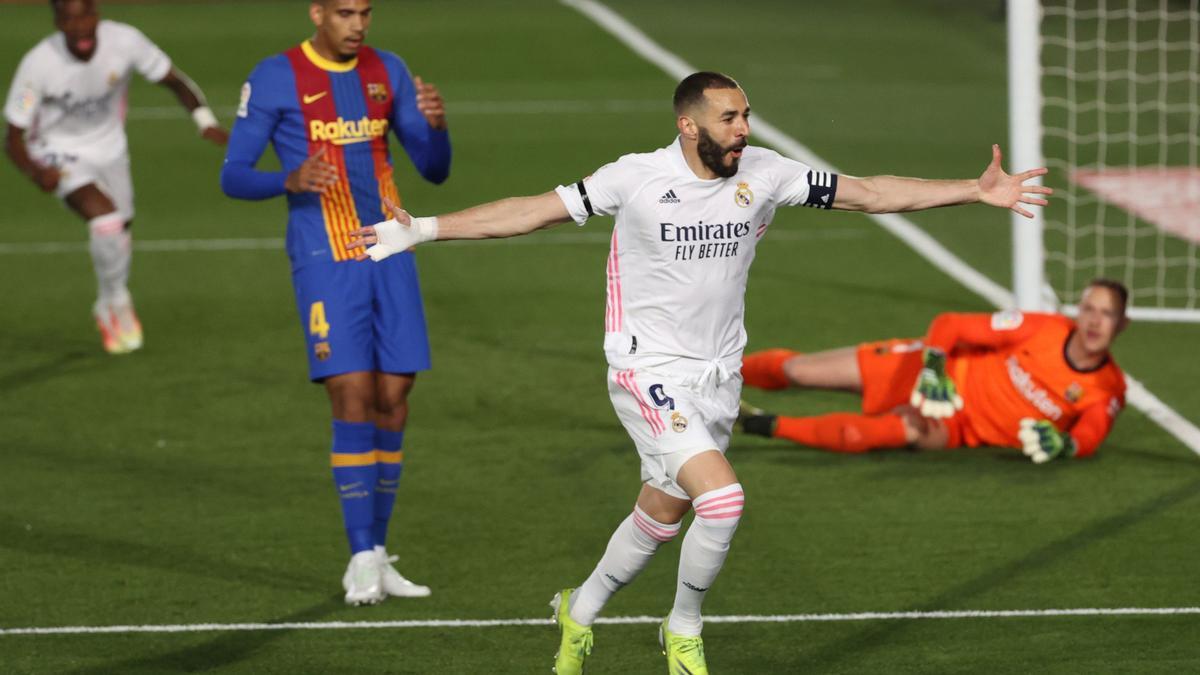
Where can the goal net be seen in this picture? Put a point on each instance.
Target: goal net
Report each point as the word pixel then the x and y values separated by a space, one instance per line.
pixel 1118 92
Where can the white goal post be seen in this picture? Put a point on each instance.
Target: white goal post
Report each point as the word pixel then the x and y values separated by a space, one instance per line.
pixel 1106 93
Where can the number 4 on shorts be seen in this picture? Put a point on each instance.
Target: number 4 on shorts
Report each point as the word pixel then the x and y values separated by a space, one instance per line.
pixel 317 325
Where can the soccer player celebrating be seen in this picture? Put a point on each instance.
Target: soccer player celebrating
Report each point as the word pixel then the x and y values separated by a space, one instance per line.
pixel 1042 383
pixel 327 106
pixel 66 131
pixel 688 219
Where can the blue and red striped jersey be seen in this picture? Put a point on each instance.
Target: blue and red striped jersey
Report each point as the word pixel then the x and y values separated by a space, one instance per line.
pixel 300 102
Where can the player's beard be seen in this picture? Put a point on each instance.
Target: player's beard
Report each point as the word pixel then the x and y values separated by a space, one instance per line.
pixel 712 155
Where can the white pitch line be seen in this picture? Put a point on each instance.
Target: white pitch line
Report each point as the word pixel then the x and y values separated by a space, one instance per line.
pixel 276 243
pixel 619 620
pixel 903 228
pixel 545 107
pixel 46 247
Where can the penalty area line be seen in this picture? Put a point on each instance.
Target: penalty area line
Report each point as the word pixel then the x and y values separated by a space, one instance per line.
pixel 616 620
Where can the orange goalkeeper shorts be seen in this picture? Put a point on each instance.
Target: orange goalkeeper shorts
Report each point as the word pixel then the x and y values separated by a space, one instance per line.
pixel 889 370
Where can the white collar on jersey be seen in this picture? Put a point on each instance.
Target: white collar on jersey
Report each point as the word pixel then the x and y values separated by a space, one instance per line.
pixel 675 151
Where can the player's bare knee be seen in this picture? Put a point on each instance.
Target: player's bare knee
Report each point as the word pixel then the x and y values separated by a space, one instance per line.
pixel 704 472
pixel 393 390
pixel 935 437
pixel 915 426
pixel 921 432
pixel 352 397
pixel 90 202
pixel 661 506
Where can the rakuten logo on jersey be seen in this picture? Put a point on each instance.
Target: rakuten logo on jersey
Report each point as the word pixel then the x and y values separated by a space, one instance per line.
pixel 345 132
pixel 712 240
pixel 1032 393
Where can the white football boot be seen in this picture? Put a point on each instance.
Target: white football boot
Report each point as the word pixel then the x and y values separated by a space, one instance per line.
pixel 363 581
pixel 120 330
pixel 128 327
pixel 110 332
pixel 394 583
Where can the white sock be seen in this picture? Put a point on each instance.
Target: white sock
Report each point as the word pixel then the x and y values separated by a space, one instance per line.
pixel 629 551
pixel 703 553
pixel 111 247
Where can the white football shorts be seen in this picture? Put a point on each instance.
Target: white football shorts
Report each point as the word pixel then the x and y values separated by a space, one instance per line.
pixel 110 176
pixel 671 420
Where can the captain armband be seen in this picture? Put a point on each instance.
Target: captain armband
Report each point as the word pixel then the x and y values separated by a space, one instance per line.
pixel 822 188
pixel 587 202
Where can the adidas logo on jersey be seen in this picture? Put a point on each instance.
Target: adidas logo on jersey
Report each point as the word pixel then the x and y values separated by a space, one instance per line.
pixel 669 198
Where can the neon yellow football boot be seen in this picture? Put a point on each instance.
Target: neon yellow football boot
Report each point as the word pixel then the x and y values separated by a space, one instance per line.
pixel 576 643
pixel 685 655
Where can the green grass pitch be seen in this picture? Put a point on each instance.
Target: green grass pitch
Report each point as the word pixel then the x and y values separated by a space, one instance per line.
pixel 188 483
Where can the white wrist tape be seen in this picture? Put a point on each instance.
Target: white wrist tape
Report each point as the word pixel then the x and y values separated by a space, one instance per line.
pixel 393 237
pixel 204 118
pixel 427 227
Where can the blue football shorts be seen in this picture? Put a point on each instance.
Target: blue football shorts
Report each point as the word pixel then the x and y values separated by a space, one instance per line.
pixel 362 316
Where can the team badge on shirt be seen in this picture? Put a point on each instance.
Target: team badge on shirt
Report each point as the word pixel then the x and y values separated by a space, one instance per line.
pixel 1074 393
pixel 678 423
pixel 377 91
pixel 321 351
pixel 1009 319
pixel 743 197
pixel 28 100
pixel 113 79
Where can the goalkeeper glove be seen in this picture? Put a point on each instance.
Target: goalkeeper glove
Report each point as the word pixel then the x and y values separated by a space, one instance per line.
pixel 1042 442
pixel 934 394
pixel 394 236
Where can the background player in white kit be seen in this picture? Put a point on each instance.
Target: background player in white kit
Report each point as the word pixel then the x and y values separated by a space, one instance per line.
pixel 66 131
pixel 688 218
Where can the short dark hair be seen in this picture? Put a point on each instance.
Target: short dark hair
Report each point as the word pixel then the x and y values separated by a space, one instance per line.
pixel 1118 289
pixel 691 90
pixel 57 5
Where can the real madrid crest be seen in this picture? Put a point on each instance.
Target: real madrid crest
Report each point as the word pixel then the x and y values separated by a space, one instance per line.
pixel 743 197
pixel 678 423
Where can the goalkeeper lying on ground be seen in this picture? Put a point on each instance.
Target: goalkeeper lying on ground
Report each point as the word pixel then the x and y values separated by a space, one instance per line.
pixel 1039 382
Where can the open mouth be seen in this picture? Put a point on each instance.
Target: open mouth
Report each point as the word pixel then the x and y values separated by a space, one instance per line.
pixel 85 45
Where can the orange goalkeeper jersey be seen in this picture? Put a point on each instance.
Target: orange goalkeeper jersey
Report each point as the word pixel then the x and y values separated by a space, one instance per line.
pixel 1011 365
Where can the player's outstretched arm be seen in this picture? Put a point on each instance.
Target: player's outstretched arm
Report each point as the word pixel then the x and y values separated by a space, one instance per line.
pixel 496 220
pixel 893 194
pixel 45 177
pixel 192 98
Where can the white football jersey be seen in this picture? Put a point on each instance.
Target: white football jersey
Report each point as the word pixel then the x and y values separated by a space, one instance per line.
pixel 682 247
pixel 68 105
